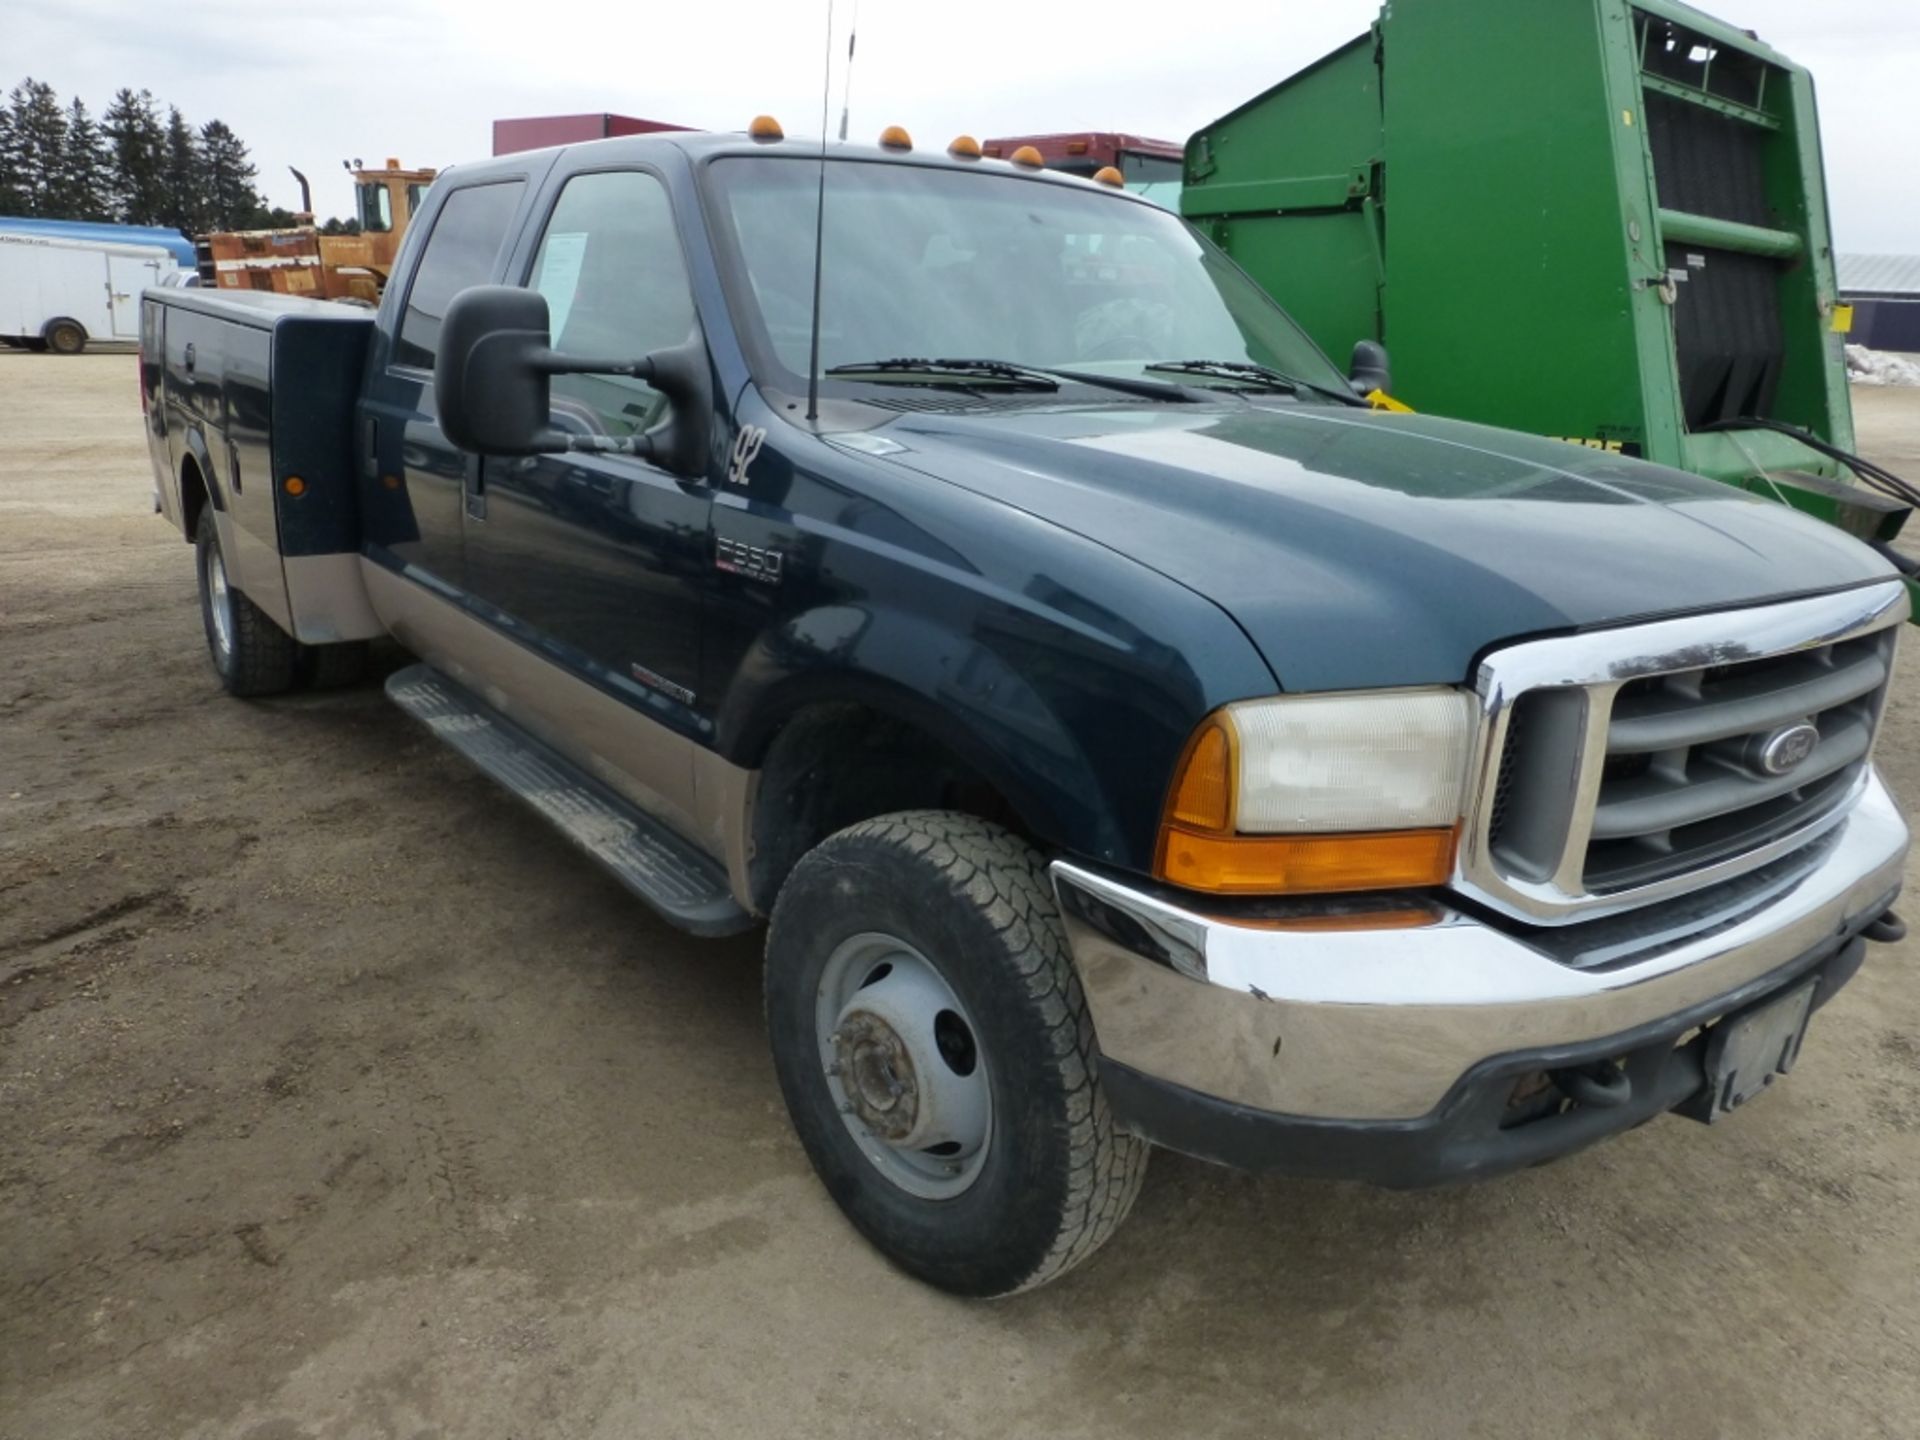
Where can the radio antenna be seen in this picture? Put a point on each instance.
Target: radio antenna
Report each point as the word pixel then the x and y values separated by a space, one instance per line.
pixel 846 81
pixel 820 228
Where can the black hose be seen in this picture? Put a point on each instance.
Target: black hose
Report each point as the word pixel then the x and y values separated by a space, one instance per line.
pixel 1875 476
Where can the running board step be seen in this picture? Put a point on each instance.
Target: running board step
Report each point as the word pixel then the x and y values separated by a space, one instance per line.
pixel 673 877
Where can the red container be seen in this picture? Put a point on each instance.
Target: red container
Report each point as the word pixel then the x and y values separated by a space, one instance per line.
pixel 1081 152
pixel 537 132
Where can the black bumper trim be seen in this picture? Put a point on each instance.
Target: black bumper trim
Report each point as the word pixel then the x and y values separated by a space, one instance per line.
pixel 1465 1137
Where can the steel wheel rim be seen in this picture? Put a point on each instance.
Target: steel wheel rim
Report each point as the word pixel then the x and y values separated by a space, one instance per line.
pixel 925 1124
pixel 219 603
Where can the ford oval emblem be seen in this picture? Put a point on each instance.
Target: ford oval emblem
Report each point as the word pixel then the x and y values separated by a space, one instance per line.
pixel 1788 747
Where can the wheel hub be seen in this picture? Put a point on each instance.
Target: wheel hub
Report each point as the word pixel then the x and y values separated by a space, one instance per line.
pixel 904 1066
pixel 877 1071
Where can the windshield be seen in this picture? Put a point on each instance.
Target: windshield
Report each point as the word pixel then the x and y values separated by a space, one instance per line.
pixel 933 262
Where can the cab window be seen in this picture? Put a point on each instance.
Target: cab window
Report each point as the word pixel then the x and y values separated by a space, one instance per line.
pixel 376 208
pixel 616 285
pixel 465 243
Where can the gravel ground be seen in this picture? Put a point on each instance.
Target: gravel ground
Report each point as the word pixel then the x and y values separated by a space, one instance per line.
pixel 340 1098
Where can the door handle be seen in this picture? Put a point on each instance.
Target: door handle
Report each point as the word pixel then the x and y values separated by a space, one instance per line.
pixel 189 357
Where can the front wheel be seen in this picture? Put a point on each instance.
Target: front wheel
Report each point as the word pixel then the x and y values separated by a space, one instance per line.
pixel 937 1056
pixel 253 655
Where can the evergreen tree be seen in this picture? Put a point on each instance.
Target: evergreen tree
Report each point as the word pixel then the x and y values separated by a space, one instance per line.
pixel 138 147
pixel 39 146
pixel 12 200
pixel 232 201
pixel 86 175
pixel 188 201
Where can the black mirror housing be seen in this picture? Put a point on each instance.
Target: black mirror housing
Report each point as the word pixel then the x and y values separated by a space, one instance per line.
pixel 492 384
pixel 1370 370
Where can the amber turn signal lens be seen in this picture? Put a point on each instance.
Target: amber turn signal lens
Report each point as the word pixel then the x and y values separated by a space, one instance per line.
pixel 895 137
pixel 1107 175
pixel 294 485
pixel 1202 795
pixel 964 147
pixel 765 127
pixel 1304 864
pixel 1028 157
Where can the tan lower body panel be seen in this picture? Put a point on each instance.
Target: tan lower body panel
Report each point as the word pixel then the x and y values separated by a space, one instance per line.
pixel 328 597
pixel 679 782
pixel 253 568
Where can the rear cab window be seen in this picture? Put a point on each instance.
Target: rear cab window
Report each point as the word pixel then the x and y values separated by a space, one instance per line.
pixel 469 233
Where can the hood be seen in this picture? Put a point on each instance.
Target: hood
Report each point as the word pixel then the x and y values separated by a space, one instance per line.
pixel 1360 549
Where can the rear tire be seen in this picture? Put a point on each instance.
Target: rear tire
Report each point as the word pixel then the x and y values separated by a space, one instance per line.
pixel 333 667
pixel 65 337
pixel 918 976
pixel 251 654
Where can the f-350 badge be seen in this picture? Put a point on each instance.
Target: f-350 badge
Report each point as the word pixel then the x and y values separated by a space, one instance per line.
pixel 736 557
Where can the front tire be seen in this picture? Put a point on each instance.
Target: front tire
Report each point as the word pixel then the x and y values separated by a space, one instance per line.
pixel 251 654
pixel 937 1057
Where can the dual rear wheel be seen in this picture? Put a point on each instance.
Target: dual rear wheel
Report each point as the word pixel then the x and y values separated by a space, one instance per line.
pixel 251 654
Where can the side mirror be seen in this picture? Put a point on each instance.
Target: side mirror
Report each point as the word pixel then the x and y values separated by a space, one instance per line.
pixel 492 384
pixel 489 385
pixel 1370 370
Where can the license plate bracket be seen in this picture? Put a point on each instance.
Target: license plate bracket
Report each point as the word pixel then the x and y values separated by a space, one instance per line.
pixel 1747 1052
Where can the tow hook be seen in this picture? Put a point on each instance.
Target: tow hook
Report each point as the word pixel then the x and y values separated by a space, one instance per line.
pixel 1887 929
pixel 1603 1086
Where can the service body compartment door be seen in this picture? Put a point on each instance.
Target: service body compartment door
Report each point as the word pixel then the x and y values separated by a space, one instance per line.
pixel 215 389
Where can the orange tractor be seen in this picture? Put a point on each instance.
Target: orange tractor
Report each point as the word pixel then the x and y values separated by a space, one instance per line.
pixel 303 261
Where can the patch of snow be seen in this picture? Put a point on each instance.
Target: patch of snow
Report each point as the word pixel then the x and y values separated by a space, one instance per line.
pixel 1880 367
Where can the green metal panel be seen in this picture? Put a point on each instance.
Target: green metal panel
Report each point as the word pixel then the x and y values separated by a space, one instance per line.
pixel 1479 183
pixel 1512 273
pixel 1309 233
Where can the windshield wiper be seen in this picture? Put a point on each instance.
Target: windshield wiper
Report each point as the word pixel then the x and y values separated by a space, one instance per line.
pixel 1261 376
pixel 1007 372
pixel 908 370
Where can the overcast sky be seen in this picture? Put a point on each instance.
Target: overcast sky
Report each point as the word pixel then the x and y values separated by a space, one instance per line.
pixel 310 82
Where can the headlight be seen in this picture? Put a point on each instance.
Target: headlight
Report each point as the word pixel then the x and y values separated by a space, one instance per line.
pixel 1316 793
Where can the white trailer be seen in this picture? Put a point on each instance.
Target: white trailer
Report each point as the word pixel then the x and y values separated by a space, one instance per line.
pixel 58 294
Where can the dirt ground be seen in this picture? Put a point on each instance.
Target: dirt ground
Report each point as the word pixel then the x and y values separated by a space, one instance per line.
pixel 338 1097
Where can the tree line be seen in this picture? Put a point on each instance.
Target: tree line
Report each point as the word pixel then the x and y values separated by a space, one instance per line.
pixel 130 166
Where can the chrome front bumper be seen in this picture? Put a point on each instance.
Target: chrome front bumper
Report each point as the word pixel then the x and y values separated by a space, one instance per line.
pixel 1382 1024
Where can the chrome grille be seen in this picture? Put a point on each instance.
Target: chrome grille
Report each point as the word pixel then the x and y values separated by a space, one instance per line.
pixel 1681 786
pixel 1625 766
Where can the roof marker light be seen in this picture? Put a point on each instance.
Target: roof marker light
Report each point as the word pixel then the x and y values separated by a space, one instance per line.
pixel 1029 158
pixel 1107 175
pixel 765 127
pixel 964 147
pixel 895 137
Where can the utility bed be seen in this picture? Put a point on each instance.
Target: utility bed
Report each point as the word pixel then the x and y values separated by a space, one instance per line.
pixel 275 462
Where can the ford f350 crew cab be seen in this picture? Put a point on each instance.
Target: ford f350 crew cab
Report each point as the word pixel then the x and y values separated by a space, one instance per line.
pixel 1126 736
